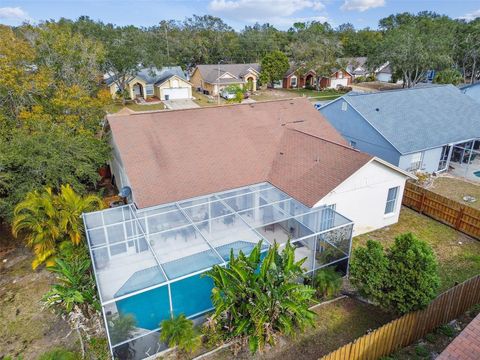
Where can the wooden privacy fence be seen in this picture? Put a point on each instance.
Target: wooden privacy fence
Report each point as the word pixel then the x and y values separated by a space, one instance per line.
pixel 413 326
pixel 461 217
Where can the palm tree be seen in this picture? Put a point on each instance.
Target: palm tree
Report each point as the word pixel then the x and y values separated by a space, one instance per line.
pixel 257 300
pixel 179 331
pixel 36 218
pixel 46 220
pixel 71 206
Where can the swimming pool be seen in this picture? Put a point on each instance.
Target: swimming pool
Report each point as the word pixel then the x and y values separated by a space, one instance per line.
pixel 190 296
pixel 477 173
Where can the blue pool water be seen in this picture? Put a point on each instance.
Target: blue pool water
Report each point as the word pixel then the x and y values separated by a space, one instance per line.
pixel 477 173
pixel 189 296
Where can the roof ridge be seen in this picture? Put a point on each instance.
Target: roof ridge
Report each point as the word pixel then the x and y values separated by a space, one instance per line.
pixel 398 90
pixel 211 107
pixel 324 139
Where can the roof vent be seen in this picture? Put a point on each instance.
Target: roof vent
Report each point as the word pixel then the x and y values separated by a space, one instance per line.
pixel 377 109
pixel 281 153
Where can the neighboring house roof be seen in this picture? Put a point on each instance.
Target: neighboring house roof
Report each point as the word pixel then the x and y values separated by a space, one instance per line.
pixel 469 86
pixel 211 73
pixel 174 155
pixel 420 118
pixel 357 65
pixel 472 90
pixel 154 75
pixel 384 69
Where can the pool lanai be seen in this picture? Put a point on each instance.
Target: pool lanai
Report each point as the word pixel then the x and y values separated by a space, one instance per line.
pixel 148 262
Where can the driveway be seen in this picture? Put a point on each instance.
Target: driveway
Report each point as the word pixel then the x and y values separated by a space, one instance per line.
pixel 180 104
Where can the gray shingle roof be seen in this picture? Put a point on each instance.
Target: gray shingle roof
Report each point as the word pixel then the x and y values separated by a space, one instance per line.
pixel 156 76
pixel 210 72
pixel 418 119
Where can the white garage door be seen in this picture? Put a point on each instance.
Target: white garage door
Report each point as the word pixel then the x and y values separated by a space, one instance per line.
pixel 335 82
pixel 175 93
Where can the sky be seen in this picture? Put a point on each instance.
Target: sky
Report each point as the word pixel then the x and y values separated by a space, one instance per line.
pixel 237 13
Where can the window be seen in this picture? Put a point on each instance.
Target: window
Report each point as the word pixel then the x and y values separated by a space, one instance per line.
pixel 149 89
pixel 344 106
pixel 293 81
pixel 340 74
pixel 353 144
pixel 416 161
pixel 391 200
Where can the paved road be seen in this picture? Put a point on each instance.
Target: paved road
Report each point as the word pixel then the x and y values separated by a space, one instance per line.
pixel 180 104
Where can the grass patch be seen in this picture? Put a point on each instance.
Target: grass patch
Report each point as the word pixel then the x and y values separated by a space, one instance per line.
pixel 204 100
pixel 117 106
pixel 337 324
pixel 457 254
pixel 456 189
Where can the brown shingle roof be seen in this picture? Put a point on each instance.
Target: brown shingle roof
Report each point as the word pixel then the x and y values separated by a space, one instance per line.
pixel 174 155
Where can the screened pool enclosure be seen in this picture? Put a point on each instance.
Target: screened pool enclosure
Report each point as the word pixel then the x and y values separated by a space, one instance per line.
pixel 149 263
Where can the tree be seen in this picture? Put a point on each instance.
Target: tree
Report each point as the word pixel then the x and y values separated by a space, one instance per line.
pixel 274 67
pixel 403 279
pixel 47 220
pixel 448 76
pixel 414 45
pixel 256 300
pixel 180 332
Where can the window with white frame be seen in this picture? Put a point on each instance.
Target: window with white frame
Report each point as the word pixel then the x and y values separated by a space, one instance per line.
pixel 149 89
pixel 340 74
pixel 353 144
pixel 391 200
pixel 293 81
pixel 416 161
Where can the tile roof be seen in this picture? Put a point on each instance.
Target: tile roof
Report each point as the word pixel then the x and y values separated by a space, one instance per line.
pixel 419 118
pixel 211 72
pixel 174 155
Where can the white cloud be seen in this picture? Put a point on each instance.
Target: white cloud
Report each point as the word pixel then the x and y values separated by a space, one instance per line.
pixel 471 16
pixel 271 11
pixel 13 15
pixel 362 5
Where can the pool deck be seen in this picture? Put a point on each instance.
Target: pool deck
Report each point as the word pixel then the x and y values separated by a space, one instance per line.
pixel 466 171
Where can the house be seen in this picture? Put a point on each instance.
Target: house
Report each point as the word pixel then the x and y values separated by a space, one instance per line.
pixel 210 79
pixel 205 182
pixel 168 83
pixel 430 128
pixel 472 90
pixel 338 77
pixel 357 66
pixel 384 73
pixel 296 77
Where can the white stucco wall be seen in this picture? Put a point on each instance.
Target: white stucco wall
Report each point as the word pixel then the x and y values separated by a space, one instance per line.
pixel 430 160
pixel 383 77
pixel 116 166
pixel 362 197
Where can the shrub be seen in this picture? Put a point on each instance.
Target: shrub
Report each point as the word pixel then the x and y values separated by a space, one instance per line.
pixel 446 330
pixel 368 270
pixel 431 338
pixel 180 331
pixel 327 282
pixel 59 354
pixel 421 351
pixel 257 300
pixel 403 279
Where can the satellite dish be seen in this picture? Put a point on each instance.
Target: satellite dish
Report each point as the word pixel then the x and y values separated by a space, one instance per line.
pixel 125 191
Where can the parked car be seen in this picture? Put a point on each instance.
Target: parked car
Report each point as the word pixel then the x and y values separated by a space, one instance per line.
pixel 227 95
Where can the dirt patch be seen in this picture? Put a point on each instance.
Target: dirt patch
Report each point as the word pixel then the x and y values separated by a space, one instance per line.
pixel 379 86
pixel 337 324
pixel 456 189
pixel 27 328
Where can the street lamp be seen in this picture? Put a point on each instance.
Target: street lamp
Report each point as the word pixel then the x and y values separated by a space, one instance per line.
pixel 218 82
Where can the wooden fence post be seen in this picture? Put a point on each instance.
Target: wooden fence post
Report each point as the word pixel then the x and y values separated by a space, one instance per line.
pixel 458 221
pixel 422 200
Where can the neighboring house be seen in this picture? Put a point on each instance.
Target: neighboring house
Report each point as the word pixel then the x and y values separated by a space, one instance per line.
pixel 384 73
pixel 357 66
pixel 472 90
pixel 168 83
pixel 338 77
pixel 427 128
pixel 212 181
pixel 210 79
pixel 296 78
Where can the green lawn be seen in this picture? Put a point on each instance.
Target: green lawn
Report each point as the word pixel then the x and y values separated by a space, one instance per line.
pixel 203 100
pixel 327 94
pixel 456 189
pixel 458 254
pixel 116 107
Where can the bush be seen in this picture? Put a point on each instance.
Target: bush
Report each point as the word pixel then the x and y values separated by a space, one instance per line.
pixel 431 338
pixel 327 282
pixel 180 331
pixel 59 354
pixel 403 279
pixel 446 330
pixel 421 351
